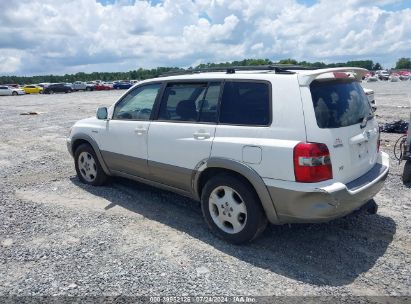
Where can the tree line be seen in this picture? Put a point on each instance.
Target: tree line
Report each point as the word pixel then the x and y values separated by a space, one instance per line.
pixel 141 74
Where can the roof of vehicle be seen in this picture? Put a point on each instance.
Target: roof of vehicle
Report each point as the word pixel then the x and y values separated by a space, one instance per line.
pixel 305 75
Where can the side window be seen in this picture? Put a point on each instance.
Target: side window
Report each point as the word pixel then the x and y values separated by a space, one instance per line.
pixel 245 103
pixel 138 104
pixel 208 105
pixel 190 102
pixel 179 101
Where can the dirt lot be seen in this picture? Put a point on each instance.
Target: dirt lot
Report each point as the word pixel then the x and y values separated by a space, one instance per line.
pixel 60 237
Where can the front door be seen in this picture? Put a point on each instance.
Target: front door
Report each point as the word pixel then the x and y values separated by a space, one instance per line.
pixel 183 134
pixel 124 142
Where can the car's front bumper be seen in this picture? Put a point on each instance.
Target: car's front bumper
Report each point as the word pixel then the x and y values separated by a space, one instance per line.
pixel 302 203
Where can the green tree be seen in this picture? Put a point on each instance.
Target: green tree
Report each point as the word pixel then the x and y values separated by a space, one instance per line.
pixel 288 61
pixel 403 63
pixel 377 67
pixel 365 64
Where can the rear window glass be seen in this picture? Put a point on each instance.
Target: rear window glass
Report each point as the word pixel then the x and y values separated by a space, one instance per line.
pixel 339 103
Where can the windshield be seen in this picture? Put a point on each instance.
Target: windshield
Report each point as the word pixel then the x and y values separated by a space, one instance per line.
pixel 339 103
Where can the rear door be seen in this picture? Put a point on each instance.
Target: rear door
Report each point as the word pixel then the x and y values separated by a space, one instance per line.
pixel 339 114
pixel 183 133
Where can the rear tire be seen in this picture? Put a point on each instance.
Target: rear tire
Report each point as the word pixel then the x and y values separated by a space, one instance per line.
pixel 88 167
pixel 406 175
pixel 232 209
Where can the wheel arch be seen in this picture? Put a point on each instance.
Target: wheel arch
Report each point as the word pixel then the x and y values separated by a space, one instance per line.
pixel 80 139
pixel 214 166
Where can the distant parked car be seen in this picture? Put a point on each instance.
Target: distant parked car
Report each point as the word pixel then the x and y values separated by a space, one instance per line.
pixel 122 85
pixel 82 86
pixel 394 77
pixel 5 91
pixel 32 89
pixel 58 88
pixel 43 84
pixel 370 77
pixel 382 74
pixel 91 85
pixel 109 83
pixel 404 75
pixel 102 87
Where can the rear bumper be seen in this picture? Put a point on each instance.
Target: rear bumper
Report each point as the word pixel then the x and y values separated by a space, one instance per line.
pixel 304 203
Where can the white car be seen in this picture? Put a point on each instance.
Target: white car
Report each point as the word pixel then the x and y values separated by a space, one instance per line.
pixel 383 74
pixel 255 146
pixel 82 86
pixel 10 91
pixel 110 84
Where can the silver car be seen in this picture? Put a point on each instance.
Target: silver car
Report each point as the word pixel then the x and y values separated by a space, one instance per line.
pixel 7 91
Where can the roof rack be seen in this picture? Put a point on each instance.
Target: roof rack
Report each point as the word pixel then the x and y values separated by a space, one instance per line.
pixel 277 68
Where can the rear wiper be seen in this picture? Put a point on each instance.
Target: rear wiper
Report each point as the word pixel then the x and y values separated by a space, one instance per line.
pixel 364 120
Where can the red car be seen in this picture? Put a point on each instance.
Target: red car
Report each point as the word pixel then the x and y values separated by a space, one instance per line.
pixel 102 87
pixel 404 75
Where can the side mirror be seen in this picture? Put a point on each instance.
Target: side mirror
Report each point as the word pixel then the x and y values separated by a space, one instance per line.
pixel 102 113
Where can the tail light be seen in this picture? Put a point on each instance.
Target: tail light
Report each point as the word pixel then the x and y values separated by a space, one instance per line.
pixel 312 163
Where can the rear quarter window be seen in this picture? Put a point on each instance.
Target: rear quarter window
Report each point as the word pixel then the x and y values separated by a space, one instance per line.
pixel 245 103
pixel 339 103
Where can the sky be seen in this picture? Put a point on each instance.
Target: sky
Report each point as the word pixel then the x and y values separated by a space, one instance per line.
pixel 57 37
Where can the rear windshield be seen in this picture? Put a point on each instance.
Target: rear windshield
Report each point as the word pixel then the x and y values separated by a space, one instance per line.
pixel 339 103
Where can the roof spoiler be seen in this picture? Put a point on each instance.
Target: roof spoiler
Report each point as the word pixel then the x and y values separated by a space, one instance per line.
pixel 306 77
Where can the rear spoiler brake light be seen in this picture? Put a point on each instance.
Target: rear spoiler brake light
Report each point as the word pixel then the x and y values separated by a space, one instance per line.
pixel 306 77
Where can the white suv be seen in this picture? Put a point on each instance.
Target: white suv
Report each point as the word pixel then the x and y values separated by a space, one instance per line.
pixel 287 146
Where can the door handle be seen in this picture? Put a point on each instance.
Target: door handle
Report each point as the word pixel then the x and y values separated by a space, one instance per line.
pixel 201 135
pixel 140 130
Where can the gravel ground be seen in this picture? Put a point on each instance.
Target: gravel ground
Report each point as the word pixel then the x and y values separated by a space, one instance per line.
pixel 60 237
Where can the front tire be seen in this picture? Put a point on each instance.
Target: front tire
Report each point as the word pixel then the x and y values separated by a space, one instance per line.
pixel 88 167
pixel 232 209
pixel 14 93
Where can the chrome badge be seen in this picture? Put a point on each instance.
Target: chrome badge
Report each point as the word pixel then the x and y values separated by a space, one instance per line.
pixel 338 143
